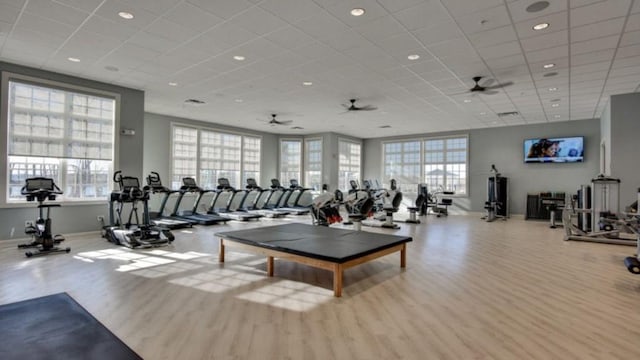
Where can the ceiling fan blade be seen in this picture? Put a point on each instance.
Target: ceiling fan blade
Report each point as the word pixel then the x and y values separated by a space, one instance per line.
pixel 501 85
pixel 285 122
pixel 490 92
pixel 346 106
pixel 368 108
pixel 488 83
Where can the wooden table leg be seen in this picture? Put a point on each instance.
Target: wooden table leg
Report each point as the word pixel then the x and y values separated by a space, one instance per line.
pixel 337 280
pixel 270 265
pixel 221 251
pixel 403 256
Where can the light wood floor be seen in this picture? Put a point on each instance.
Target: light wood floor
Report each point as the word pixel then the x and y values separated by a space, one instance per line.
pixel 471 290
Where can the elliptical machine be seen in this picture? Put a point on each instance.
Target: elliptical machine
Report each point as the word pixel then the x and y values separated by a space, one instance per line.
pixel 133 234
pixel 497 204
pixel 42 189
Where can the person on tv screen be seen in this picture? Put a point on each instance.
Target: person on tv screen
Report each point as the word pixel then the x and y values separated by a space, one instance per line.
pixel 544 150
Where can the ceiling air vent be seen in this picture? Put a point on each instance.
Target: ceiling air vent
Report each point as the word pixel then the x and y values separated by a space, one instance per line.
pixel 195 102
pixel 508 113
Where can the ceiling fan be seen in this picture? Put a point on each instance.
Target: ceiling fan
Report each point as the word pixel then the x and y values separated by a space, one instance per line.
pixel 486 87
pixel 353 107
pixel 273 121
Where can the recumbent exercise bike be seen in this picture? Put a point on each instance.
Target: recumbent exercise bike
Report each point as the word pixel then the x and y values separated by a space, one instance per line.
pixel 41 189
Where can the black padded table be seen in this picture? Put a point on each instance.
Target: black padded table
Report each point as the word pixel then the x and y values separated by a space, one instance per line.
pixel 318 246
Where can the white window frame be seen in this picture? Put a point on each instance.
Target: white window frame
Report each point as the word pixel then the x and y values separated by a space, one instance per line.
pixel 420 163
pixel 217 130
pixel 355 142
pixel 285 182
pixel 305 162
pixel 4 131
pixel 422 159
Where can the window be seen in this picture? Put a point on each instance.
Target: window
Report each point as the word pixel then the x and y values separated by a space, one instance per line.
pixel 207 155
pixel 438 162
pixel 62 132
pixel 445 164
pixel 349 163
pixel 290 160
pixel 313 163
pixel 402 163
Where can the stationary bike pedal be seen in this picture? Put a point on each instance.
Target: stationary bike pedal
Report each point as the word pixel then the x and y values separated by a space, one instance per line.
pixel 58 238
pixel 29 230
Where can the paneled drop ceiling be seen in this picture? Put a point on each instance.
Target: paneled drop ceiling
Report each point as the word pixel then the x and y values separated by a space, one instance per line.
pixel 593 44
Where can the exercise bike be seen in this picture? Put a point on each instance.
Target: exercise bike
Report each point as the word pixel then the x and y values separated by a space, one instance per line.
pixel 41 189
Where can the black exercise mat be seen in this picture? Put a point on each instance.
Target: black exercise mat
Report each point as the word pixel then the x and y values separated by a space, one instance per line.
pixel 56 327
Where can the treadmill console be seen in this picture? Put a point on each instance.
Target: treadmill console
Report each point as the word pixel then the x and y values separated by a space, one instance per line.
pixel 294 183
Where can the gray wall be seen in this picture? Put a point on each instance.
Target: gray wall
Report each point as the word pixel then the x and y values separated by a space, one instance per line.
pixel 503 146
pixel 80 218
pixel 605 140
pixel 625 132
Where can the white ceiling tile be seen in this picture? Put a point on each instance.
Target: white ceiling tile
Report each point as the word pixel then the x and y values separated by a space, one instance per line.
pixel 518 9
pixel 624 62
pixel 397 5
pixel 229 34
pixel 426 67
pixel 483 20
pixel 346 40
pixel 170 30
pixel 258 21
pixel 342 11
pixel 44 25
pixel 398 45
pixel 506 61
pixel 82 45
pixel 556 21
pixel 547 54
pixel 109 28
pixel 630 38
pixel 464 7
pixel 633 23
pixel 502 50
pixel 291 10
pixel 493 37
pixel 609 42
pixel 322 26
pixel 595 67
pixel 85 5
pixel 381 27
pixel 636 7
pixel 597 75
pixel 8 13
pixel 192 17
pixel 222 8
pixel 56 12
pixel 592 57
pixel 441 32
pixel 628 51
pixel 157 7
pixel 426 14
pixel 110 9
pixel 289 37
pixel 626 72
pixel 152 41
pixel 597 30
pixel 599 11
pixel 453 48
pixel 545 41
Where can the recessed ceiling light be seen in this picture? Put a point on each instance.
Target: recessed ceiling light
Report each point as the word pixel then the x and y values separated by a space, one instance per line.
pixel 125 15
pixel 555 105
pixel 413 57
pixel 467 100
pixel 173 83
pixel 357 11
pixel 540 26
pixel 307 83
pixel 548 66
pixel 553 89
pixel 239 57
pixel 238 100
pixel 72 59
pixel 537 6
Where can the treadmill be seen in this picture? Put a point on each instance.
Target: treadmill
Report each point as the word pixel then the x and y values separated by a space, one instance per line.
pixel 189 186
pixel 226 212
pixel 154 185
pixel 252 185
pixel 283 199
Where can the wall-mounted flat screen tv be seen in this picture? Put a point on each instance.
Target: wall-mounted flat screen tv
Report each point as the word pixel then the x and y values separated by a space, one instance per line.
pixel 554 150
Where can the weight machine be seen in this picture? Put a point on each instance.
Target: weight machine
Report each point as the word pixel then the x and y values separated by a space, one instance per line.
pixel 598 216
pixel 632 263
pixel 41 189
pixel 497 204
